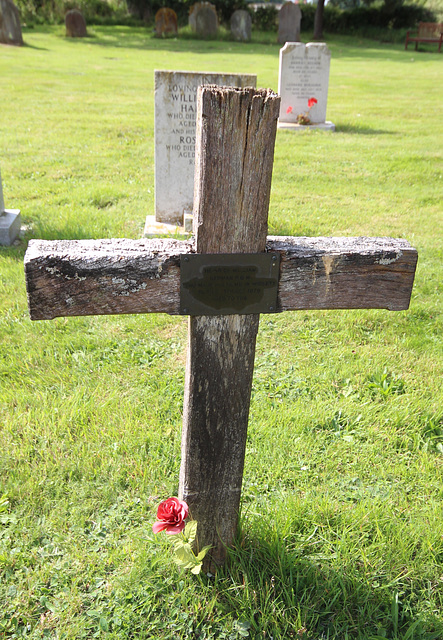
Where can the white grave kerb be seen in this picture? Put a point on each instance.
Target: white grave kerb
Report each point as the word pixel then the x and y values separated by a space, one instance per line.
pixel 304 77
pixel 9 221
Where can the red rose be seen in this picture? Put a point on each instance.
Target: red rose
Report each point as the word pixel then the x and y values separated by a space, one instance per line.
pixel 311 102
pixel 289 110
pixel 171 516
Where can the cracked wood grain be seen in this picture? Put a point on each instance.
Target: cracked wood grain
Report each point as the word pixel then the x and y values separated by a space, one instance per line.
pixel 96 277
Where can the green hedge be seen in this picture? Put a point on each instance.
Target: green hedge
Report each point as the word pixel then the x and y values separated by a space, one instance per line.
pixel 345 21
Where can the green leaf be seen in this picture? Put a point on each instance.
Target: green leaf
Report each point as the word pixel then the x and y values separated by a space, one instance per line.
pixel 196 568
pixel 184 556
pixel 202 553
pixel 190 531
pixel 103 624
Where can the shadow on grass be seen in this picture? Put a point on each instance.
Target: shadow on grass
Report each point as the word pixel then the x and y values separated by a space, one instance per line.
pixel 283 592
pixel 124 37
pixel 32 46
pixel 364 131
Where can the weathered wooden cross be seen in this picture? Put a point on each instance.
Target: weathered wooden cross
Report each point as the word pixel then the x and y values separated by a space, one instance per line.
pixel 223 294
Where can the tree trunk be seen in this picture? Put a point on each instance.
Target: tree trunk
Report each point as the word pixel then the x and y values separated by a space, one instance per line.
pixel 318 20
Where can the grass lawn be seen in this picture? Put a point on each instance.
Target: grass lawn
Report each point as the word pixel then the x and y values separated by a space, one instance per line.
pixel 341 526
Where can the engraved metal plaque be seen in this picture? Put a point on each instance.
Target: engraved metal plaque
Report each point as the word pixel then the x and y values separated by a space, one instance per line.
pixel 228 283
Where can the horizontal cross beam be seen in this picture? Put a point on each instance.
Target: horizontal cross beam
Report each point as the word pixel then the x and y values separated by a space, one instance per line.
pixel 104 277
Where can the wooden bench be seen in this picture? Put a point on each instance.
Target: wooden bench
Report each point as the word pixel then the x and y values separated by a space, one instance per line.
pixel 428 32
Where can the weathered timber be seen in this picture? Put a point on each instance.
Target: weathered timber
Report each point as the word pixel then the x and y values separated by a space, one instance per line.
pixel 234 157
pixel 93 277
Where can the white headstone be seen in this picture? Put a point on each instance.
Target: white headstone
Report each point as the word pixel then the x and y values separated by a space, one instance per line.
pixel 304 81
pixel 175 118
pixel 9 221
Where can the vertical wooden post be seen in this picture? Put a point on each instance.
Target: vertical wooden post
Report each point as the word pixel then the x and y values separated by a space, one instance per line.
pixel 234 157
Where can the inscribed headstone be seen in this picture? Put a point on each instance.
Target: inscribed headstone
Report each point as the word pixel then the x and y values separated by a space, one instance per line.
pixel 165 21
pixel 289 18
pixel 10 28
pixel 241 25
pixel 304 78
pixel 175 115
pixel 75 24
pixel 9 221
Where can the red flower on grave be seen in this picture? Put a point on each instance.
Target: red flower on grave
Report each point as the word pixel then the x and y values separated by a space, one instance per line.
pixel 289 110
pixel 171 516
pixel 311 102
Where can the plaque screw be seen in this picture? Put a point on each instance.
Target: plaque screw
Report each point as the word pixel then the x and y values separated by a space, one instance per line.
pixel 185 311
pixel 274 260
pixel 271 308
pixel 186 259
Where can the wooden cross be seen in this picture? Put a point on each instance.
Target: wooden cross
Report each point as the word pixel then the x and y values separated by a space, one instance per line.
pixel 234 157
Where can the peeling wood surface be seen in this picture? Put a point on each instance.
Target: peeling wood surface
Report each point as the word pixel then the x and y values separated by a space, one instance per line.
pixel 96 277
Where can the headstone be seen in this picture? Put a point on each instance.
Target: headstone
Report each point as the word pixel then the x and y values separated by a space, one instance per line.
pixel 175 115
pixel 9 221
pixel 165 21
pixel 289 18
pixel 10 29
pixel 203 19
pixel 75 24
pixel 241 25
pixel 304 81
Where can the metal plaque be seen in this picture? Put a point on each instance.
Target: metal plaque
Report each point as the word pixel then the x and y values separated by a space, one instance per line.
pixel 228 283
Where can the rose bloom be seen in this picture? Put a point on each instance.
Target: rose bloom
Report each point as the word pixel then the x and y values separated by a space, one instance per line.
pixel 311 102
pixel 289 110
pixel 171 516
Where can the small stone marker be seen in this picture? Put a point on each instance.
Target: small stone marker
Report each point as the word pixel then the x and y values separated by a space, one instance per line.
pixel 165 21
pixel 75 24
pixel 9 221
pixel 10 28
pixel 175 117
pixel 241 25
pixel 234 156
pixel 303 76
pixel 289 19
pixel 203 19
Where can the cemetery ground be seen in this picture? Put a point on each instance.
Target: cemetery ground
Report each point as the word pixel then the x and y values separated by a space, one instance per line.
pixel 341 525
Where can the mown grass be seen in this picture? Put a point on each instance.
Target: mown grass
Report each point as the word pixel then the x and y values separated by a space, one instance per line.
pixel 341 524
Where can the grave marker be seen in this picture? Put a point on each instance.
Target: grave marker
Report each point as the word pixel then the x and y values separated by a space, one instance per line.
pixel 289 19
pixel 241 25
pixel 10 27
pixel 166 21
pixel 203 19
pixel 234 156
pixel 75 24
pixel 9 221
pixel 304 74
pixel 175 117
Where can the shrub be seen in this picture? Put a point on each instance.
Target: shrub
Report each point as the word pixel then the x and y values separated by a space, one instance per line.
pixel 265 18
pixel 392 16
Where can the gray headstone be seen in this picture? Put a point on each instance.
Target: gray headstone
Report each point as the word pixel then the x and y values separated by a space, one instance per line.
pixel 241 25
pixel 9 221
pixel 303 75
pixel 203 19
pixel 175 121
pixel 10 28
pixel 75 24
pixel 289 18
